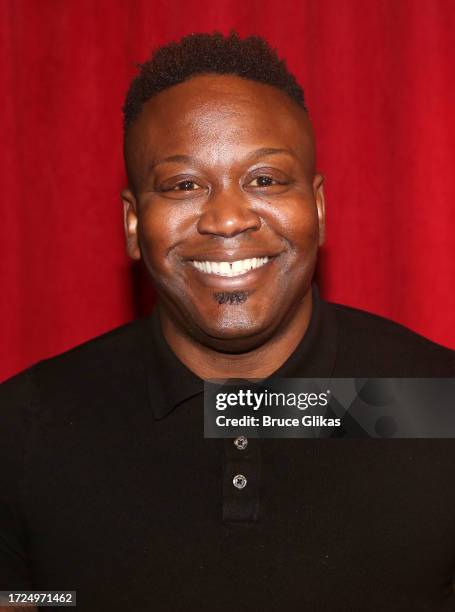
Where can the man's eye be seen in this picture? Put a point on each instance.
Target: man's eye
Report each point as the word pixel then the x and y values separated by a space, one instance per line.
pixel 186 186
pixel 262 181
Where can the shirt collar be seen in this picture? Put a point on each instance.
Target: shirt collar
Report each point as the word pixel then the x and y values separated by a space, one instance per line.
pixel 171 383
pixel 315 355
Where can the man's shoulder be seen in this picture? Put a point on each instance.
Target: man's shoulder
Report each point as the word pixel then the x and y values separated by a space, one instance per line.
pixel 382 347
pixel 103 361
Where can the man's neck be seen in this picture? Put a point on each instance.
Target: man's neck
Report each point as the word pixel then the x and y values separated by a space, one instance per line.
pixel 257 363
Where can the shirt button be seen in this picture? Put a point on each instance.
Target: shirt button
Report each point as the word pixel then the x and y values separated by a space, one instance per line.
pixel 239 481
pixel 241 442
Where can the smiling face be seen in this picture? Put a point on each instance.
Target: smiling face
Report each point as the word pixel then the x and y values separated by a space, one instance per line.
pixel 225 208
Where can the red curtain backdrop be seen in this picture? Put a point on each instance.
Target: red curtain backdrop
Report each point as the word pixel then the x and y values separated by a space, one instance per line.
pixel 379 82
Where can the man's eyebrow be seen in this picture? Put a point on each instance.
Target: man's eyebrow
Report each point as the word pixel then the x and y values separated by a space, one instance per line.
pixel 188 159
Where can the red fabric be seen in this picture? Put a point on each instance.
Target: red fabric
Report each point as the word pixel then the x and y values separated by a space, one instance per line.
pixel 379 82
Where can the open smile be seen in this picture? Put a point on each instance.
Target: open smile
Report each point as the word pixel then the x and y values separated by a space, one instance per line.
pixel 230 268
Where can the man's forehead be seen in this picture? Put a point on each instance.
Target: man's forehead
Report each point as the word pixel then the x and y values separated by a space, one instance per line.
pixel 226 111
pixel 233 98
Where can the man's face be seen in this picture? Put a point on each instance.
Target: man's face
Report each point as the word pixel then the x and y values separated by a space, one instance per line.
pixel 224 207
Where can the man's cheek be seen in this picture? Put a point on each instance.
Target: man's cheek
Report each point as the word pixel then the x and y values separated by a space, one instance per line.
pixel 304 232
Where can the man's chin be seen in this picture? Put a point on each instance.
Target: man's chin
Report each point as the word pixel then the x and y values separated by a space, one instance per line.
pixel 231 335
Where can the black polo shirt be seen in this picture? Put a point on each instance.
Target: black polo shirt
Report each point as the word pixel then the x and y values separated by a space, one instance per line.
pixel 109 488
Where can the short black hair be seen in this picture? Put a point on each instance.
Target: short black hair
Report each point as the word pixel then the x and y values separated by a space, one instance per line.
pixel 251 58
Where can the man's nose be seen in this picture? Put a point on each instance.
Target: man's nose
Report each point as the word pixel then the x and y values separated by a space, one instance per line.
pixel 227 214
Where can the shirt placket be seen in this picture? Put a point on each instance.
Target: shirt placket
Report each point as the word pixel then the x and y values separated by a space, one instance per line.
pixel 241 479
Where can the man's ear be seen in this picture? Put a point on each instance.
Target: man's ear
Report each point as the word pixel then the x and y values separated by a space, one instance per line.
pixel 130 224
pixel 318 191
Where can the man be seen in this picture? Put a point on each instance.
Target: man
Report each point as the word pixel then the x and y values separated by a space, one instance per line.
pixel 108 485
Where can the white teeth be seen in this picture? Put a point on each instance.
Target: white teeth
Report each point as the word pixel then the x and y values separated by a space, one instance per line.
pixel 226 268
